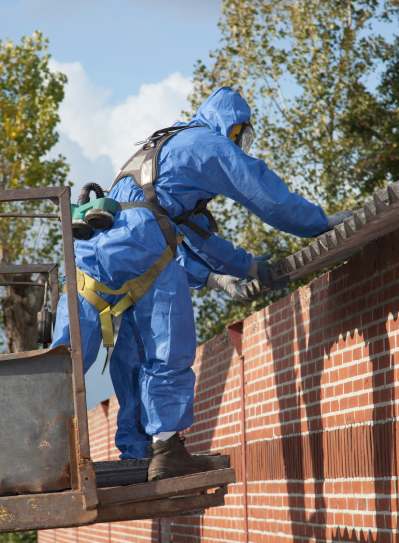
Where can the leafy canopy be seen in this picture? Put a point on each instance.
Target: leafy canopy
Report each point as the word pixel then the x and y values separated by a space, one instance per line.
pixel 323 86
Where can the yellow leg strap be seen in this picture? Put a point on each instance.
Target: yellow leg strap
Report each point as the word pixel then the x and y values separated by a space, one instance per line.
pixel 107 328
pixel 134 290
pixel 104 310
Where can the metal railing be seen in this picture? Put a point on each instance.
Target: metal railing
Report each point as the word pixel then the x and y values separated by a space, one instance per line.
pixel 76 503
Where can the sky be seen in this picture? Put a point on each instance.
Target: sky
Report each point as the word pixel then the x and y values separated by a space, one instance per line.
pixel 129 65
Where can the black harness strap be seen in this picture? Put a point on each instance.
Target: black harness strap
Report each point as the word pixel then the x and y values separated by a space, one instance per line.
pixel 200 209
pixel 162 219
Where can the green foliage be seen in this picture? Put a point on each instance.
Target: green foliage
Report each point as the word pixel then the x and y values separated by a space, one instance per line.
pixel 20 537
pixel 309 70
pixel 30 95
pixel 372 127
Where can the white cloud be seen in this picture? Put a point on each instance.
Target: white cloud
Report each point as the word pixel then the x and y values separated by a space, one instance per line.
pixel 103 129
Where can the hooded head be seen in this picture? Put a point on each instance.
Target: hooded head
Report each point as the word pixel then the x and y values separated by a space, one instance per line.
pixel 223 109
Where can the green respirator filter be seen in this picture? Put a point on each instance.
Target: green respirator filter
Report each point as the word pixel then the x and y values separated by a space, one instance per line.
pixel 90 215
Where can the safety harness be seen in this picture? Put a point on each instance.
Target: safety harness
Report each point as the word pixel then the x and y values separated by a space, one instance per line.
pixel 133 290
pixel 143 168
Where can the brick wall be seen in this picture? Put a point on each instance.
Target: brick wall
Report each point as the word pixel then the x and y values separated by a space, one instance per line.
pixel 314 374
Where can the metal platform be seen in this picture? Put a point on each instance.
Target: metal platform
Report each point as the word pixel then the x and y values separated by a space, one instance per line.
pixel 157 499
pixel 36 459
pixel 47 478
pixel 128 472
pixel 168 497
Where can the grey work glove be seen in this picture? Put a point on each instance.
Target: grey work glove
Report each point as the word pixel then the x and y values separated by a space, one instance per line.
pixel 261 270
pixel 238 289
pixel 337 218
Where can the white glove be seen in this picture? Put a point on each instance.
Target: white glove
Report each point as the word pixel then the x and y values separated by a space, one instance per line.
pixel 238 289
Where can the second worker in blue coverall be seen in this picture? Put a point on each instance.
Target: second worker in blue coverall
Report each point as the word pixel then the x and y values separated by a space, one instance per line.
pixel 155 348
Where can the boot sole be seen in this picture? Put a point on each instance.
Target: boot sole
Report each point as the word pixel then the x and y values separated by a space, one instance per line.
pixel 169 475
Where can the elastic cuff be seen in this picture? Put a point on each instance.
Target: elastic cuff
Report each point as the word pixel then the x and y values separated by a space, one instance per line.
pixel 213 280
pixel 253 269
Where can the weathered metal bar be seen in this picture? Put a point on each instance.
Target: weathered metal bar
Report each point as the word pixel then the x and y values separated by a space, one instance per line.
pixel 25 354
pixel 20 283
pixel 167 487
pixel 86 476
pixel 23 215
pixel 378 217
pixel 161 508
pixel 54 289
pixel 20 195
pixel 121 472
pixel 26 268
pixel 43 511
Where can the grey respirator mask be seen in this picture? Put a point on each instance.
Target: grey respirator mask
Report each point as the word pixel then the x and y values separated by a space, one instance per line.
pixel 243 135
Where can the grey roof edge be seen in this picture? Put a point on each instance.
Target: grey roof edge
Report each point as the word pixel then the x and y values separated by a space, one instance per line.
pixel 378 217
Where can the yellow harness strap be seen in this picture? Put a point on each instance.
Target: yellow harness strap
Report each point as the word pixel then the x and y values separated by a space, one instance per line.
pixel 134 290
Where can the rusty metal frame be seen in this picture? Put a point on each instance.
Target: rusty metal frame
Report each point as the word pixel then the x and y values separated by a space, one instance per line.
pixel 164 498
pixel 50 269
pixel 79 505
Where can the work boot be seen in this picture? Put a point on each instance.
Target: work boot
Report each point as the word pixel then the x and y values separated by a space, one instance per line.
pixel 170 458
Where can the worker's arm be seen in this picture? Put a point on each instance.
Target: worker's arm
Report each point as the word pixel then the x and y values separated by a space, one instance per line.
pixel 200 275
pixel 249 181
pixel 197 270
pixel 217 253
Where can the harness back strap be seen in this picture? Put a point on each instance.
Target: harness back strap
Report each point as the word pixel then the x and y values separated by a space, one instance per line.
pixel 133 289
pixel 143 168
pixel 200 209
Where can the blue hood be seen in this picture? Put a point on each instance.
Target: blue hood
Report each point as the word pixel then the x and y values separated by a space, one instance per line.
pixel 222 110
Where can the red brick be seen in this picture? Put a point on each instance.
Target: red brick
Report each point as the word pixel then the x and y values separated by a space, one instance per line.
pixel 346 314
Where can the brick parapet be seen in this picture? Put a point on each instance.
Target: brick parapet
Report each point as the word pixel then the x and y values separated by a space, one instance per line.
pixel 321 417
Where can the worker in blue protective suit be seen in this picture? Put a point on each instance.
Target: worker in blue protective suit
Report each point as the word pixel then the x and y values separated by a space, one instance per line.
pixel 200 275
pixel 151 362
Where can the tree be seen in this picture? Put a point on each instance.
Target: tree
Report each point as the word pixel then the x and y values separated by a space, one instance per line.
pixel 21 537
pixel 30 95
pixel 373 125
pixel 323 124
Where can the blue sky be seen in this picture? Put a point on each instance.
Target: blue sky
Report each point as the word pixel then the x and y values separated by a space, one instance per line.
pixel 122 44
pixel 129 65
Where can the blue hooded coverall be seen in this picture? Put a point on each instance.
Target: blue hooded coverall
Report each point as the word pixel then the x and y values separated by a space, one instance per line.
pixel 151 363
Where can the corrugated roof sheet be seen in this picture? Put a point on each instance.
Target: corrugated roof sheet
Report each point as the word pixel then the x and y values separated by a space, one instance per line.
pixel 379 216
